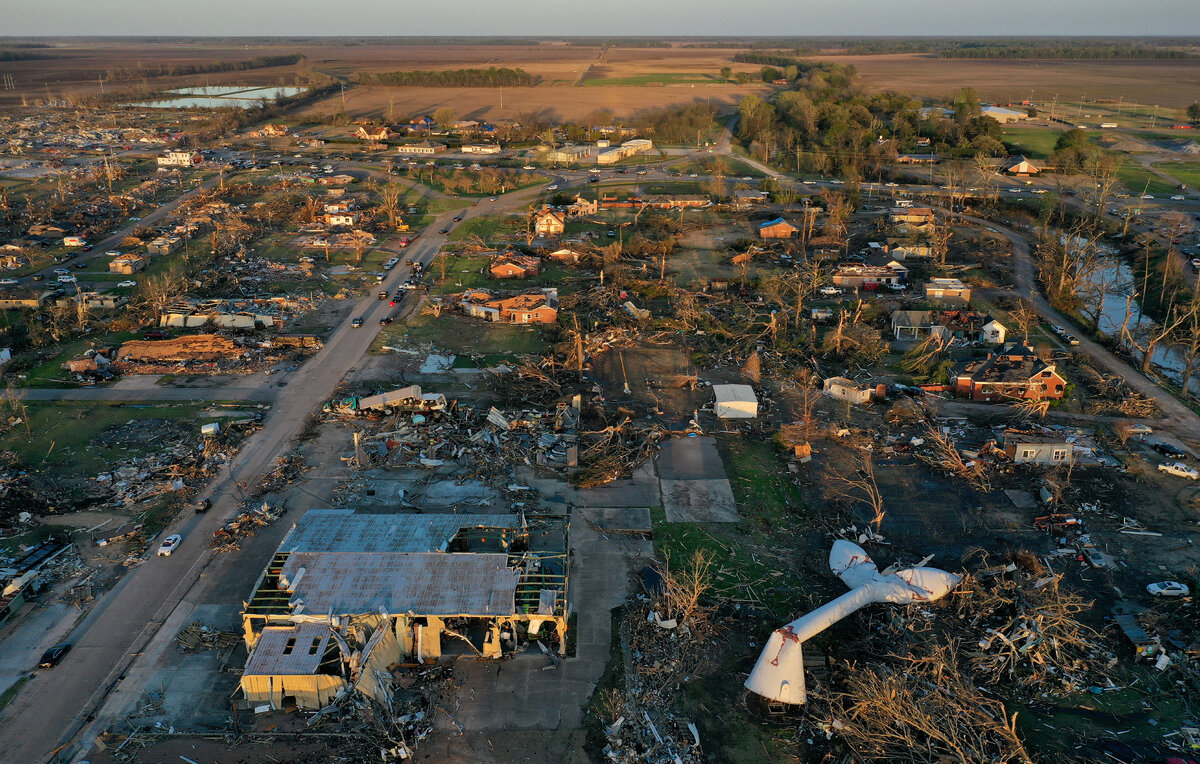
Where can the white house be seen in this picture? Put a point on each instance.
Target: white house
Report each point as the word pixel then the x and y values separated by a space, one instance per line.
pixel 847 390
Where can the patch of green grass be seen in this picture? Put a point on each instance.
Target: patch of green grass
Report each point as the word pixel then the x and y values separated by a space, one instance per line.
pixel 1184 172
pixel 1033 142
pixel 461 335
pixel 63 433
pixel 666 78
pixel 485 227
pixel 51 374
pixel 1139 180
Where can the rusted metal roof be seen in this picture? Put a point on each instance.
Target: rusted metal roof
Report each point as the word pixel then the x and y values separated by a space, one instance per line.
pixel 289 651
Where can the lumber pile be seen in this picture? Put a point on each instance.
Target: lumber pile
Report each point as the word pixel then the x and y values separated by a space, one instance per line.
pixel 194 347
pixel 196 637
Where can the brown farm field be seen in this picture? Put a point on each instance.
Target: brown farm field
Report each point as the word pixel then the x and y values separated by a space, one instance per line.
pixel 576 80
pixel 1171 84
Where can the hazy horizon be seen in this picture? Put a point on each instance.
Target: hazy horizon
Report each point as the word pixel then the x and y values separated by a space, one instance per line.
pixel 618 18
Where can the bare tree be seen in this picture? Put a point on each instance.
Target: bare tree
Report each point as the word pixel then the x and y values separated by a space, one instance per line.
pixel 857 486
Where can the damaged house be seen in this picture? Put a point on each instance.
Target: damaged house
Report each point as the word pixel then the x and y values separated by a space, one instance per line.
pixel 540 307
pixel 348 595
pixel 969 325
pixel 1008 373
pixel 1032 447
pixel 514 265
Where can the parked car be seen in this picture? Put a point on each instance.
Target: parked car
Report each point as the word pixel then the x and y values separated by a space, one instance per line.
pixel 67 279
pixel 8 282
pixel 383 294
pixel 1139 429
pixel 830 291
pixel 38 277
pixel 552 187
pixel 444 231
pixel 458 218
pixel 54 655
pixel 1179 469
pixel 386 320
pixel 169 545
pixel 357 322
pixel 127 283
pixel 1166 449
pixel 203 505
pixel 1168 589
pixel 1070 339
pixel 897 287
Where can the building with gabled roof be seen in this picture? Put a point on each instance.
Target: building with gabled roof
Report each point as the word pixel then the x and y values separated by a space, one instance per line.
pixel 1012 372
pixel 776 229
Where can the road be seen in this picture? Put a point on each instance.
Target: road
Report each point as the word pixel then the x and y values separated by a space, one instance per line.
pixel 113 241
pixel 1177 417
pixel 66 707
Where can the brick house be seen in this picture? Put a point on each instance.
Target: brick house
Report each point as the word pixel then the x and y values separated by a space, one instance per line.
pixel 1012 372
pixel 776 229
pixel 511 265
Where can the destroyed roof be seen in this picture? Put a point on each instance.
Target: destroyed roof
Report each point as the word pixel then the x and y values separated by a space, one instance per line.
pixel 424 584
pixel 1033 437
pixel 289 651
pixel 332 531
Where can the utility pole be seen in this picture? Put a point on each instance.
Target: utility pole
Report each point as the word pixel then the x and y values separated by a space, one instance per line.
pixel 101 78
pixel 343 96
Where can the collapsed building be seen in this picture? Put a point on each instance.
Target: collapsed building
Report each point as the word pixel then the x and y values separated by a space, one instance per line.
pixel 350 595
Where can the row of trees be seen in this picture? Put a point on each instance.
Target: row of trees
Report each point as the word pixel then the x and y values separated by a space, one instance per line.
pixel 142 71
pixel 452 78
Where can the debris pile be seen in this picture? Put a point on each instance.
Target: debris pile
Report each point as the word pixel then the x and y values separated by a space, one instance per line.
pixel 1028 632
pixel 197 637
pixel 1112 396
pixel 228 537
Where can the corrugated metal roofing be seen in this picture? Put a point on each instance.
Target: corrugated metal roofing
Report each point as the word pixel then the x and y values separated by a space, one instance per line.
pixel 331 531
pixel 423 584
pixel 272 655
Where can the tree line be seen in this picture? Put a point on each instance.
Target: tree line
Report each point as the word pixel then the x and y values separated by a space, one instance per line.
pixel 452 78
pixel 180 70
pixel 1062 49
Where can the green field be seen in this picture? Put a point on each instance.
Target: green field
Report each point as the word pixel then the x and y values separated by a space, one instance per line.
pixel 1139 180
pixel 1033 142
pixel 485 227
pixel 640 80
pixel 454 333
pixel 63 432
pixel 1185 172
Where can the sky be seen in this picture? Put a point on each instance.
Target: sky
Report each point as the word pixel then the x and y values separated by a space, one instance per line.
pixel 603 17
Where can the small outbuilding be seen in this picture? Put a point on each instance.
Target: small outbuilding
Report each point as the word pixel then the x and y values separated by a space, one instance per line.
pixel 735 402
pixel 847 390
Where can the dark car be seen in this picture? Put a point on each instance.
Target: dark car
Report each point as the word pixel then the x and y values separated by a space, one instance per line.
pixel 458 219
pixel 203 505
pixel 79 265
pixel 38 276
pixel 444 230
pixel 386 320
pixel 54 655
pixel 383 293
pixel 155 336
pixel 357 322
pixel 1166 449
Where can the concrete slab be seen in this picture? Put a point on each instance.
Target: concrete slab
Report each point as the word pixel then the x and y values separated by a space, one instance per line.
pixel 523 693
pixel 699 501
pixel 689 459
pixel 619 518
pixel 1021 499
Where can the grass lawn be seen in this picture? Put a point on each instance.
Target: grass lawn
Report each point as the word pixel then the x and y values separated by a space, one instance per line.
pixel 461 335
pixel 1139 180
pixel 1185 172
pixel 64 432
pixel 1033 142
pixel 51 374
pixel 466 271
pixel 485 227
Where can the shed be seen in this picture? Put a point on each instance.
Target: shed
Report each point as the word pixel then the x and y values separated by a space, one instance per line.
pixel 847 390
pixel 735 402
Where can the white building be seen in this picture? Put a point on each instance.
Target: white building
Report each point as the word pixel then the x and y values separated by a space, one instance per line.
pixel 186 158
pixel 625 150
pixel 481 148
pixel 735 402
